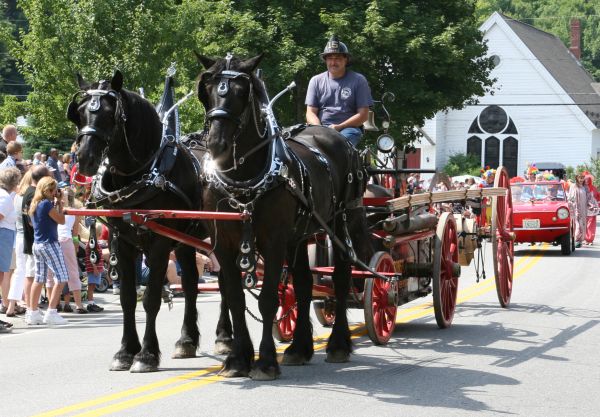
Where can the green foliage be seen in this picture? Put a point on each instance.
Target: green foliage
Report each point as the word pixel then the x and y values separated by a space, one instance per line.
pixel 463 164
pixel 554 16
pixel 431 58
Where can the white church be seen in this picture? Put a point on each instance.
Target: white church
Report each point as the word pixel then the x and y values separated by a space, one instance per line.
pixel 545 106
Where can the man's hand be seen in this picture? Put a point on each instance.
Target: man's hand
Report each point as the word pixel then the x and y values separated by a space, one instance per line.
pixel 336 127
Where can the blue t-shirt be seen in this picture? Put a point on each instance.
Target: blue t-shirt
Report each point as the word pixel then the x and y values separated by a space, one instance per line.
pixel 338 99
pixel 45 229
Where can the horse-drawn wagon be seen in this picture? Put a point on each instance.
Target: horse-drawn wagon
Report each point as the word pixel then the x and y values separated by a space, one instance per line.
pixel 278 194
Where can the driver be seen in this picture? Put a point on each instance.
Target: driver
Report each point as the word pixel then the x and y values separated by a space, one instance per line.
pixel 338 98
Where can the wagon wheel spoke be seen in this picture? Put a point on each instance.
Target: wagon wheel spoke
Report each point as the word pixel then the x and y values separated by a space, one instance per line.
pixel 380 313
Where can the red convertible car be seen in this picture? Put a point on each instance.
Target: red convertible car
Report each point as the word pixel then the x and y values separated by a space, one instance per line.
pixel 541 214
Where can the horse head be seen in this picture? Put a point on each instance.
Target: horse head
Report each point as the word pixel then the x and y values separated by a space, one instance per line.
pixel 229 92
pixel 111 121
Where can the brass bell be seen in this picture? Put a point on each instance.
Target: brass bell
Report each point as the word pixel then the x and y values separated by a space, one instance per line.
pixel 370 125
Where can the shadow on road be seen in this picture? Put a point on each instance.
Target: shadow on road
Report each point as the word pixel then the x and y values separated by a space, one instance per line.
pixel 554 252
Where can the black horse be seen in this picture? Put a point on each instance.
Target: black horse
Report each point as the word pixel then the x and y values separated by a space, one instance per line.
pixel 120 142
pixel 290 190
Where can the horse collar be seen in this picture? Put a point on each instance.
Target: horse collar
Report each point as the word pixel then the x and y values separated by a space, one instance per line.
pixel 275 172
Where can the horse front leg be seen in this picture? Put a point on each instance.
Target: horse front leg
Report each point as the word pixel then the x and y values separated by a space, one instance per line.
pixel 339 345
pixel 301 350
pixel 148 359
pixel 267 368
pixel 239 360
pixel 224 340
pixel 188 343
pixel 130 343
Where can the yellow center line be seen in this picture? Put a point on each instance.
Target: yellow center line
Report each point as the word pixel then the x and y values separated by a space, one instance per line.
pixel 209 376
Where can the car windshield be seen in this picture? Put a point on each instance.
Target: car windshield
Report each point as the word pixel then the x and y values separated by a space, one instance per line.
pixel 528 192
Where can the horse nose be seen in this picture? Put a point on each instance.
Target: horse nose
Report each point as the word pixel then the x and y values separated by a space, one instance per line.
pixel 86 158
pixel 217 148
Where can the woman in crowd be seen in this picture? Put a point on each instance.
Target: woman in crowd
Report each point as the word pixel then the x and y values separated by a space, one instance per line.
pixel 594 200
pixel 9 180
pixel 66 164
pixel 24 263
pixel 578 197
pixel 46 213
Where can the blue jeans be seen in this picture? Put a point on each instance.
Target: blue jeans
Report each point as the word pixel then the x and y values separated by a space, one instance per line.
pixel 352 134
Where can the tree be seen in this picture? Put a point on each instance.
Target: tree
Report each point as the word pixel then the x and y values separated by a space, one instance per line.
pixel 463 164
pixel 11 81
pixel 92 38
pixel 430 58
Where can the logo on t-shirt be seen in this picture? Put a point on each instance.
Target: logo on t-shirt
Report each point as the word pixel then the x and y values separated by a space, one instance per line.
pixel 346 93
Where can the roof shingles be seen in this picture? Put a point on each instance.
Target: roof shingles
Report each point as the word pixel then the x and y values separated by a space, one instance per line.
pixel 562 65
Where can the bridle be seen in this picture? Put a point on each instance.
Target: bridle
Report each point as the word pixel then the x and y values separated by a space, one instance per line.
pixel 241 122
pixel 120 118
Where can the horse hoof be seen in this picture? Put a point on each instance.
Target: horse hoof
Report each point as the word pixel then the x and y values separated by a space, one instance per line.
pixel 141 368
pixel 184 352
pixel 120 365
pixel 293 359
pixel 222 348
pixel 337 357
pixel 258 374
pixel 233 373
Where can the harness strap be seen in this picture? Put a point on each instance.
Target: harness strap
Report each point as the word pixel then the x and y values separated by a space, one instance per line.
pixel 162 164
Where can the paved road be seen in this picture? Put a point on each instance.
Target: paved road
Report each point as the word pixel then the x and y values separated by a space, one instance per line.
pixel 538 358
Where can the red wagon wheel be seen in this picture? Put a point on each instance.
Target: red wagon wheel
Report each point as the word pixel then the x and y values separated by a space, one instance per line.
pixel 287 313
pixel 445 270
pixel 380 300
pixel 503 245
pixel 325 311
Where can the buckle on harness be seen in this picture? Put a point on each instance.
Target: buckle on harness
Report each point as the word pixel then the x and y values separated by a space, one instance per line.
pixel 114 197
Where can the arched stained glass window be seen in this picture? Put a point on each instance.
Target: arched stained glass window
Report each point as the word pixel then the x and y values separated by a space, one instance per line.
pixel 496 139
pixel 510 154
pixel 493 119
pixel 492 152
pixel 474 147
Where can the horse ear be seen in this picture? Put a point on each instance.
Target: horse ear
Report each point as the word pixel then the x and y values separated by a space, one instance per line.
pixel 117 81
pixel 72 113
pixel 205 61
pixel 84 85
pixel 249 65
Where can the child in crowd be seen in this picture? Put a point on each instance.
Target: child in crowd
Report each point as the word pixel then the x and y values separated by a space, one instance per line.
pixel 66 232
pixel 46 213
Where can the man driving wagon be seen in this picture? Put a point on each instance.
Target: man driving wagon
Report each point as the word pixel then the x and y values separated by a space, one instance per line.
pixel 339 98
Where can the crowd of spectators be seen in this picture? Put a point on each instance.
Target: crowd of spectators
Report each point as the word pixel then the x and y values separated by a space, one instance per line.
pixel 38 242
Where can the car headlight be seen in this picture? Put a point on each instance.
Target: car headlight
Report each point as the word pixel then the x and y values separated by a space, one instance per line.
pixel 562 213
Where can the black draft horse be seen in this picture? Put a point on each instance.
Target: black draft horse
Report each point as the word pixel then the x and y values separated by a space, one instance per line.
pixel 120 143
pixel 285 187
